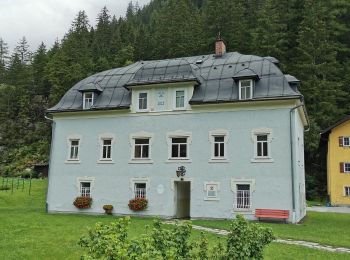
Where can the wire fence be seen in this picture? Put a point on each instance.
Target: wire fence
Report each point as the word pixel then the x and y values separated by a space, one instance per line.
pixel 11 184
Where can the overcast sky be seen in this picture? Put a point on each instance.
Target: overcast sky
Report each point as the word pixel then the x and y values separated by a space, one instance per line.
pixel 46 20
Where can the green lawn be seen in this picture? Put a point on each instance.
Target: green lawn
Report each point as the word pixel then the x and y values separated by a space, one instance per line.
pixel 27 232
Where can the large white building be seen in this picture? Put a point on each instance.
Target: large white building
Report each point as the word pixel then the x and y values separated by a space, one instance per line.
pixel 235 122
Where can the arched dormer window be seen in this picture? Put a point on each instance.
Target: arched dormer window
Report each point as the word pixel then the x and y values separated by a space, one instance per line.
pixel 89 91
pixel 246 79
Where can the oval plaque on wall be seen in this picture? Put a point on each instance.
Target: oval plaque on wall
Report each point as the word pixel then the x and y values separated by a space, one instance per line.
pixel 160 189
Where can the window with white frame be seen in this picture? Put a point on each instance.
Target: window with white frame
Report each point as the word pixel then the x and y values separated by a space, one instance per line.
pixel 106 149
pixel 346 167
pixel 262 149
pixel 219 147
pixel 88 100
pixel 85 189
pixel 179 147
pixel 143 101
pixel 347 191
pixel 141 148
pixel 179 99
pixel 140 190
pixel 346 141
pixel 243 198
pixel 74 150
pixel 245 89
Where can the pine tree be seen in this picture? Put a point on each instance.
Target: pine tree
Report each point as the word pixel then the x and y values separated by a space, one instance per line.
pixel 22 50
pixel 4 58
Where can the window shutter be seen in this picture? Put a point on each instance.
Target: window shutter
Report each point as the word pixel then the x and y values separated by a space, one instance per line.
pixel 341 165
pixel 340 141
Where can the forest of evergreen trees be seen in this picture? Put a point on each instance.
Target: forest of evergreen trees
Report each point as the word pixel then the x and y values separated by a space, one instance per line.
pixel 311 39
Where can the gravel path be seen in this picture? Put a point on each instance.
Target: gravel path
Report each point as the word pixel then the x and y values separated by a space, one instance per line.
pixel 284 241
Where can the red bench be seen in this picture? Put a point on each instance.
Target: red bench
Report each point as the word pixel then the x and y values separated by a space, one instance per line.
pixel 272 213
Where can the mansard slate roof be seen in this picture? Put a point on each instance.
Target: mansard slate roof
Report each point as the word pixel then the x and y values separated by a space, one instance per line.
pixel 215 80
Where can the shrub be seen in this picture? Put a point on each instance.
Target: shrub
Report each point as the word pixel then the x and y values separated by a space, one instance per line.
pixel 138 204
pixel 111 241
pixel 4 187
pixel 82 202
pixel 107 207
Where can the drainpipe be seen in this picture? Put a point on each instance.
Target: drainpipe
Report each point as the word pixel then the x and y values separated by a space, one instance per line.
pixel 48 175
pixel 292 158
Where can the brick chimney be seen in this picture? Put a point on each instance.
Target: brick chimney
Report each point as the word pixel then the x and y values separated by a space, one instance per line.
pixel 220 47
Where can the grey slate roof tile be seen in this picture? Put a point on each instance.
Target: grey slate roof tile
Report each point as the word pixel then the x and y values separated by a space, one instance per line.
pixel 213 74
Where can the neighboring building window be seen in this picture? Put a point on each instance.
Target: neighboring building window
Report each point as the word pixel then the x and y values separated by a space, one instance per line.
pixel 88 100
pixel 85 189
pixel 347 191
pixel 346 167
pixel 140 190
pixel 179 147
pixel 346 141
pixel 74 150
pixel 143 101
pixel 219 146
pixel 262 145
pixel 245 89
pixel 141 148
pixel 107 149
pixel 243 200
pixel 179 99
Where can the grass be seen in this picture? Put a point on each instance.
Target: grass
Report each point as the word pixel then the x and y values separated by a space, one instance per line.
pixel 27 232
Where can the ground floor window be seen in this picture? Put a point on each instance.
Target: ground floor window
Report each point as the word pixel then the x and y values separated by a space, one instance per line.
pixel 140 190
pixel 243 200
pixel 347 191
pixel 85 189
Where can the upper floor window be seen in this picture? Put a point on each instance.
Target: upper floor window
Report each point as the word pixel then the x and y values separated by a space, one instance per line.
pixel 179 147
pixel 85 189
pixel 345 167
pixel 179 99
pixel 107 149
pixel 344 141
pixel 88 100
pixel 245 89
pixel 141 148
pixel 262 145
pixel 74 150
pixel 219 146
pixel 143 101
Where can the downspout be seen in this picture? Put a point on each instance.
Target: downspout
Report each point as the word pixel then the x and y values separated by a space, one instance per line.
pixel 48 175
pixel 292 159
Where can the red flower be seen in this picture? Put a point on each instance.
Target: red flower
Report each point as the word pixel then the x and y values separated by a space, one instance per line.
pixel 138 204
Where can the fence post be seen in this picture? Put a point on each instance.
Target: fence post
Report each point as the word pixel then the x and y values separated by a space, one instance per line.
pixel 30 184
pixel 11 185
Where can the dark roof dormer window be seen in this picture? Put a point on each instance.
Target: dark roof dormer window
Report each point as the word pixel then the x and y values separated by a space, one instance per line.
pixel 246 79
pixel 88 100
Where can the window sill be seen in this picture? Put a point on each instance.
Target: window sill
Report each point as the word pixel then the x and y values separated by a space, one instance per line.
pixel 262 160
pixel 214 160
pixel 72 161
pixel 243 211
pixel 141 161
pixel 211 199
pixel 105 161
pixel 178 160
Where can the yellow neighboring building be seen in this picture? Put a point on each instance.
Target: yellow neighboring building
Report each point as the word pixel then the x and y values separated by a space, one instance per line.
pixel 338 162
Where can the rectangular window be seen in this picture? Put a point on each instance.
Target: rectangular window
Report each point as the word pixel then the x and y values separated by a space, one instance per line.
pixel 85 189
pixel 179 147
pixel 180 99
pixel 88 100
pixel 141 148
pixel 74 150
pixel 142 101
pixel 262 146
pixel 347 191
pixel 140 190
pixel 243 196
pixel 107 149
pixel 219 146
pixel 212 190
pixel 346 167
pixel 245 89
pixel 346 141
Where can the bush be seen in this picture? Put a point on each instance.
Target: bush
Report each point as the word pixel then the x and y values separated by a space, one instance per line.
pixel 4 187
pixel 138 204
pixel 111 241
pixel 82 202
pixel 107 207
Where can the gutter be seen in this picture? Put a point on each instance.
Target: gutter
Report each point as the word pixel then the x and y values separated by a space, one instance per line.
pixel 292 154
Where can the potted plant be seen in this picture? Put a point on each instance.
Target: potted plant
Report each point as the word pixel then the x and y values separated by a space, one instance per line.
pixel 82 202
pixel 108 209
pixel 138 204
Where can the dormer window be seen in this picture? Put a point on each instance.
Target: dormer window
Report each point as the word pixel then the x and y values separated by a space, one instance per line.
pixel 180 99
pixel 88 100
pixel 245 89
pixel 143 101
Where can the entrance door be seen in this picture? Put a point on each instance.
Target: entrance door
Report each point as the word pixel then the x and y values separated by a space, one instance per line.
pixel 182 199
